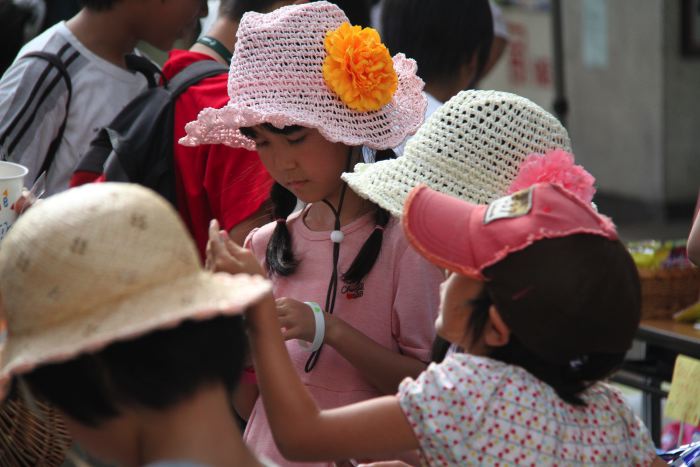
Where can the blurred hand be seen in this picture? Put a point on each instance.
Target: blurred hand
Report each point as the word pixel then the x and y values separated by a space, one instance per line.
pixel 296 319
pixel 225 255
pixel 25 201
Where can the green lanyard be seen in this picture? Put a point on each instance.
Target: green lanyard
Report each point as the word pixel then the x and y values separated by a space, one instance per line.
pixel 216 46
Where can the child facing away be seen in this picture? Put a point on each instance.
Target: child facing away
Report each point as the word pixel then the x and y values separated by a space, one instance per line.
pixel 543 298
pixel 34 98
pixel 315 95
pixel 112 320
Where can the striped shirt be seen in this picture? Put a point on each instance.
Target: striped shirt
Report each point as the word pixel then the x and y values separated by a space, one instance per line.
pixel 33 104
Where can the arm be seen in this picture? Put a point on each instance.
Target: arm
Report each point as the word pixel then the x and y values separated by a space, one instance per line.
pixel 694 242
pixel 382 367
pixel 244 398
pixel 366 429
pixel 416 299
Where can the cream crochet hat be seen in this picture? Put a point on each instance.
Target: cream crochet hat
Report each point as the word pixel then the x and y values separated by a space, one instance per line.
pixel 470 148
pixel 101 263
pixel 277 77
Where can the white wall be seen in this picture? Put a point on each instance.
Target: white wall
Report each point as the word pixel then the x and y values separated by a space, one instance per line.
pixel 616 110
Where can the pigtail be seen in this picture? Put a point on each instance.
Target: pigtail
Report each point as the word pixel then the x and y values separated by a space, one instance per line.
pixel 279 256
pixel 368 254
pixel 365 259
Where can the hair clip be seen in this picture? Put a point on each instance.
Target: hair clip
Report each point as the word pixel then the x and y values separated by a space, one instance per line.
pixel 575 364
pixel 379 227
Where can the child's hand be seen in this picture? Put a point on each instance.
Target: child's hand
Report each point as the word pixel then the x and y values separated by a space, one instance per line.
pixel 223 254
pixel 25 201
pixel 296 319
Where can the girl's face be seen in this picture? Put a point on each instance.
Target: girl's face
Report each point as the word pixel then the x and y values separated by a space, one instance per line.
pixel 456 294
pixel 302 161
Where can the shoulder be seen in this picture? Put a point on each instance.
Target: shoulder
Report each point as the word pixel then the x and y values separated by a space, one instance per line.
pixel 258 239
pixel 458 371
pixel 394 238
pixel 178 60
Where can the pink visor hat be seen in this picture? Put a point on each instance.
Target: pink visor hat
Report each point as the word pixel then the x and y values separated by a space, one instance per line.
pixel 277 76
pixel 467 238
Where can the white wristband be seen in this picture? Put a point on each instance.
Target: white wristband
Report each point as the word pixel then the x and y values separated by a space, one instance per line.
pixel 320 333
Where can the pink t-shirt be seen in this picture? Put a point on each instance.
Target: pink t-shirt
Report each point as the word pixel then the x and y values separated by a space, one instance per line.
pixel 472 410
pixel 395 305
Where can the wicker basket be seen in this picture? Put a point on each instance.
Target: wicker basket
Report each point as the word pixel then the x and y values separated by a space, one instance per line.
pixel 27 440
pixel 666 291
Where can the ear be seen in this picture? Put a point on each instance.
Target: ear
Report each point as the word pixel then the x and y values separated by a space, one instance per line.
pixel 497 332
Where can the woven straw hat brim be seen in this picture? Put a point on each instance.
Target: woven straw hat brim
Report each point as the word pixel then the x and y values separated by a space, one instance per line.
pixel 198 296
pixel 399 119
pixel 388 183
pixel 382 184
pixel 469 148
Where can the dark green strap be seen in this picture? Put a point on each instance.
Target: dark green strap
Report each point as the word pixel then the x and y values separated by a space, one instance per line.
pixel 216 46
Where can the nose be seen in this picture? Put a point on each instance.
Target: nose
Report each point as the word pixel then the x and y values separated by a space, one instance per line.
pixel 283 159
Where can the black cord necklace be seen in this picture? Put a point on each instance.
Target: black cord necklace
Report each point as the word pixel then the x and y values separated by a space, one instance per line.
pixel 333 283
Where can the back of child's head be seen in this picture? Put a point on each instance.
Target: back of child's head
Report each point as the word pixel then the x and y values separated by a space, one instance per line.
pixel 357 11
pixel 235 9
pixel 152 372
pixel 104 295
pixel 554 269
pixel 572 305
pixel 441 35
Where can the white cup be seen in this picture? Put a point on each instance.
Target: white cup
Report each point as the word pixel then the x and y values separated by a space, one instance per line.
pixel 11 183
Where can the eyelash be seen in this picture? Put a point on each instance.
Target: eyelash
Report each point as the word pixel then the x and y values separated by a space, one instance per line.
pixel 297 141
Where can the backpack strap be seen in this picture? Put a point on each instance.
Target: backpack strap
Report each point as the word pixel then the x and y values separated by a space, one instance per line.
pixel 55 60
pixel 144 66
pixel 190 75
pixel 194 73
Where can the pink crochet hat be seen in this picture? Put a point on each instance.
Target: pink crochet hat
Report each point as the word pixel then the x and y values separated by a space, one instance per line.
pixel 277 77
pixel 467 238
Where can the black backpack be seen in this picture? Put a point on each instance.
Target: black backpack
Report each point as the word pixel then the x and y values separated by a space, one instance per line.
pixel 137 146
pixel 133 62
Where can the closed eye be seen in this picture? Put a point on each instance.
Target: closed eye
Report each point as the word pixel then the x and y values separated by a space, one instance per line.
pixel 297 140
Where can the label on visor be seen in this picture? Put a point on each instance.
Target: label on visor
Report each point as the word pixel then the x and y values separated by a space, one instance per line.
pixel 516 205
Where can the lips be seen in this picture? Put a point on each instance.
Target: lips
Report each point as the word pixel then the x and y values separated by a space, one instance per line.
pixel 296 184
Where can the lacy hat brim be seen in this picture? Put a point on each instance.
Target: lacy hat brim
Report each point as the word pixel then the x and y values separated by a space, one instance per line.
pixel 322 110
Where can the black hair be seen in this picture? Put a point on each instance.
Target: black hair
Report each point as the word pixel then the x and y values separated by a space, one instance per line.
pixel 279 257
pixel 357 11
pixel 567 380
pixel 235 9
pixel 155 371
pixel 98 5
pixel 13 19
pixel 440 35
pixel 573 274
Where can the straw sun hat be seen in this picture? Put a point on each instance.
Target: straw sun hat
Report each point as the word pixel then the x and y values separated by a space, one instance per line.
pixel 101 263
pixel 470 148
pixel 302 65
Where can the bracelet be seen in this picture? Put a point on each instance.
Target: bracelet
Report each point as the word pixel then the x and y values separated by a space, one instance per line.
pixel 320 333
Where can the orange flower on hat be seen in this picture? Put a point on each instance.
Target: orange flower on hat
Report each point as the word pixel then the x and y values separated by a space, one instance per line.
pixel 359 68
